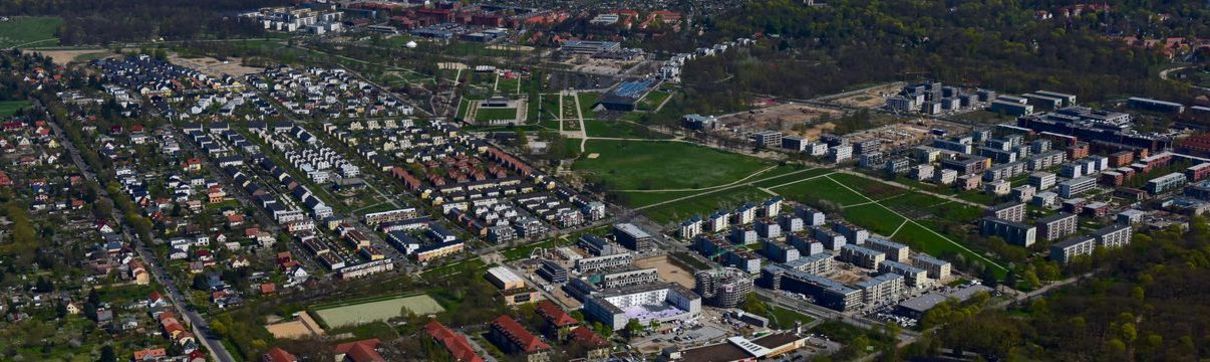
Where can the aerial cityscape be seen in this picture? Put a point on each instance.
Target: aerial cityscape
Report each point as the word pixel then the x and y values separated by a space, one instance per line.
pixel 591 180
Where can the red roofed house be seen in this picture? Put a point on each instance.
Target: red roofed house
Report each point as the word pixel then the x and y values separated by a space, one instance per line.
pixel 455 343
pixel 596 347
pixel 150 354
pixel 361 351
pixel 277 354
pixel 5 180
pixel 558 322
pixel 513 338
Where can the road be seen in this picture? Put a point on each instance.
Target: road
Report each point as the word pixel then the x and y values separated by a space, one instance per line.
pixel 201 328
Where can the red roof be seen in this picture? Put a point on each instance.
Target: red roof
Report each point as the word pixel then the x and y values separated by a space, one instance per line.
pixel 554 315
pixel 588 338
pixel 517 334
pixel 361 351
pixel 276 354
pixel 149 353
pixel 455 343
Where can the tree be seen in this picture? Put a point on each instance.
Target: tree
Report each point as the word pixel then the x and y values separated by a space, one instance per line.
pixel 107 354
pixel 200 282
pixel 633 327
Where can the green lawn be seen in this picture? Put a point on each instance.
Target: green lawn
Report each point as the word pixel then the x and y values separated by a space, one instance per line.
pixel 785 318
pixel 24 30
pixel 623 165
pixel 462 106
pixel 587 100
pixel 874 217
pixel 705 204
pixel 487 114
pixel 620 129
pixel 640 199
pixel 7 108
pixel 653 100
pixel 823 189
pixel 508 86
pixel 786 174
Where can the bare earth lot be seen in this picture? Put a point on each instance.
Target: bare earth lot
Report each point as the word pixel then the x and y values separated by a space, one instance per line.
pixel 784 117
pixel 667 270
pixel 213 67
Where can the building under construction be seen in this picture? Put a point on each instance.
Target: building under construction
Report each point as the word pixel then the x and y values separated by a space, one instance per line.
pixel 724 288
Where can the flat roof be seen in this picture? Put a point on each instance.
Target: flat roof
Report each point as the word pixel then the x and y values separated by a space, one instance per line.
pixel 505 275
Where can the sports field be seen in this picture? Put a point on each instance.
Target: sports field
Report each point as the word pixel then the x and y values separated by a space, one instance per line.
pixel 29 31
pixel 655 165
pixel 350 315
pixel 488 114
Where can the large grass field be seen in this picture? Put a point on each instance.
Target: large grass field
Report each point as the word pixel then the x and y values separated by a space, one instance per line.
pixel 620 129
pixel 629 165
pixel 357 314
pixel 7 108
pixel 705 204
pixel 29 31
pixel 821 188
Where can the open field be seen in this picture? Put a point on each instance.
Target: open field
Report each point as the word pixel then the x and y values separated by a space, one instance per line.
pixel 654 165
pixel 783 117
pixel 705 204
pixel 7 108
pixel 214 67
pixel 873 97
pixel 29 31
pixel 65 56
pixel 820 189
pixel 620 129
pixel 382 310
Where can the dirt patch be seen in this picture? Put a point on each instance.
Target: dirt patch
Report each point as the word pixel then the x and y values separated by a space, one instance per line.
pixel 302 326
pixel 667 270
pixel 870 98
pixel 214 67
pixel 789 118
pixel 66 56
